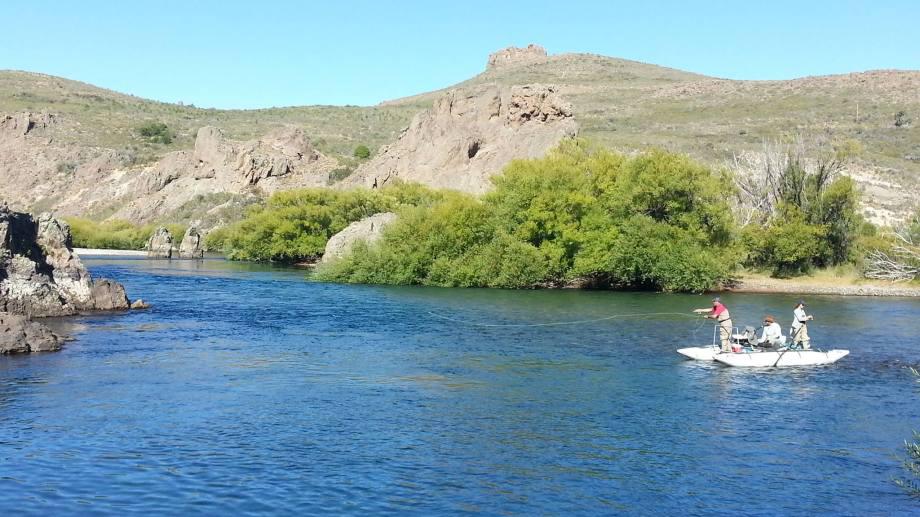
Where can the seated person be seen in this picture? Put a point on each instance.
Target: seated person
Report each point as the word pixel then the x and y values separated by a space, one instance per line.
pixel 772 335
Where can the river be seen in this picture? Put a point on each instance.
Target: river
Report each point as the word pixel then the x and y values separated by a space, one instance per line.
pixel 246 389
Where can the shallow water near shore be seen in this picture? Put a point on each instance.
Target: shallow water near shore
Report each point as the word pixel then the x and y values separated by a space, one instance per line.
pixel 246 389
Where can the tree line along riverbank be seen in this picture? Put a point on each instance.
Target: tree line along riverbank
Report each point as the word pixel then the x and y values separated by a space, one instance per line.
pixel 581 216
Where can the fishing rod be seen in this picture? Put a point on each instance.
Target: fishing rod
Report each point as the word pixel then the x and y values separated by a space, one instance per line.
pixel 557 323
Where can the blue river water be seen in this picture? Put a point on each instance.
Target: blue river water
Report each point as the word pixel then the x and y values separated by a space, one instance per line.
pixel 248 390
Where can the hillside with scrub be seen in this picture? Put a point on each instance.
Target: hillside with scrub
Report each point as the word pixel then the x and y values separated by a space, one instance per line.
pixel 84 139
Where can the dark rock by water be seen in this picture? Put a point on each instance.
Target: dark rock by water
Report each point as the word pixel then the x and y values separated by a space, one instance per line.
pixel 109 295
pixel 18 334
pixel 41 276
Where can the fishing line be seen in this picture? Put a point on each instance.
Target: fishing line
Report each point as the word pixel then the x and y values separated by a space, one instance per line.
pixel 560 323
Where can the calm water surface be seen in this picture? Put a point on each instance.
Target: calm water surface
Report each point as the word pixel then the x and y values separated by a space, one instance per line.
pixel 248 390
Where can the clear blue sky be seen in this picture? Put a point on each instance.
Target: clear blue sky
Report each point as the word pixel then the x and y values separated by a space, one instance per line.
pixel 252 54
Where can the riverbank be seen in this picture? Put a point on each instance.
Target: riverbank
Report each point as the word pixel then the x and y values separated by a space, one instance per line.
pixel 97 252
pixel 830 285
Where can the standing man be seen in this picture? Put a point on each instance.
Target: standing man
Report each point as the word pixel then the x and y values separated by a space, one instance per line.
pixel 799 326
pixel 719 312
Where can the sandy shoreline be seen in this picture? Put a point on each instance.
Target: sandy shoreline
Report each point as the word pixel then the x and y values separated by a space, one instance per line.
pixel 110 253
pixel 781 286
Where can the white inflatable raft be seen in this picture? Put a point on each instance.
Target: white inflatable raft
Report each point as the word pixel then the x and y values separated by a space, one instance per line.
pixel 700 353
pixel 768 359
pixel 754 357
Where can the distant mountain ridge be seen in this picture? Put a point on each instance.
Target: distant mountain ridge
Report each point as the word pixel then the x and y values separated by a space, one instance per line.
pixel 628 105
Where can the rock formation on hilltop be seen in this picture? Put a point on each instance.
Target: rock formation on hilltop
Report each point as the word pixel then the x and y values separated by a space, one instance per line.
pixel 470 135
pixel 370 229
pixel 515 56
pixel 41 276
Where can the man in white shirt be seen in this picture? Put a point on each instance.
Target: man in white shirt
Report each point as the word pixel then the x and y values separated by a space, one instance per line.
pixel 799 327
pixel 772 333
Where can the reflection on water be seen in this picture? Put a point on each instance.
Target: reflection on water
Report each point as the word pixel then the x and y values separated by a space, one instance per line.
pixel 246 389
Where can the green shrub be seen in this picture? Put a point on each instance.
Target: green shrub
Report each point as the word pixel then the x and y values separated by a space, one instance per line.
pixel 362 152
pixel 911 463
pixel 116 234
pixel 108 234
pixel 339 174
pixel 294 225
pixel 790 245
pixel 155 132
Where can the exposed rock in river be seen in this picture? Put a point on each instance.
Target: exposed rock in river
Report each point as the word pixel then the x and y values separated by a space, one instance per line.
pixel 160 244
pixel 369 230
pixel 470 135
pixel 140 304
pixel 191 244
pixel 19 334
pixel 41 276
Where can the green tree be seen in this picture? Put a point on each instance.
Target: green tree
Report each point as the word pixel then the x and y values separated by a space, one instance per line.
pixel 655 221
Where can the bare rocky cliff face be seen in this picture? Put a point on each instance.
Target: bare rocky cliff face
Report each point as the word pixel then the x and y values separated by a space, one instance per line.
pixel 79 180
pixel 282 160
pixel 469 135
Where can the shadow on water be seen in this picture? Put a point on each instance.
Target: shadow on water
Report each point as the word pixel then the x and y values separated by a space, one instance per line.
pixel 248 389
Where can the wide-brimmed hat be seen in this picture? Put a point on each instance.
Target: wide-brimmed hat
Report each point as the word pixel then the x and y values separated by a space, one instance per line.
pixel 716 300
pixel 802 303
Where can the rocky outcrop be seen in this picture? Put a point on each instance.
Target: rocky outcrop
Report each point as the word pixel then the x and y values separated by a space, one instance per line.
pixel 20 124
pixel 160 244
pixel 41 276
pixel 470 135
pixel 369 230
pixel 35 169
pixel 283 159
pixel 191 246
pixel 109 295
pixel 515 55
pixel 277 154
pixel 19 334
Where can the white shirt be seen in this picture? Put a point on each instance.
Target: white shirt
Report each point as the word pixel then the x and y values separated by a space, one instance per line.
pixel 799 318
pixel 772 332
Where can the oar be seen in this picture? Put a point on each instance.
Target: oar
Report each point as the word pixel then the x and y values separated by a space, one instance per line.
pixel 781 354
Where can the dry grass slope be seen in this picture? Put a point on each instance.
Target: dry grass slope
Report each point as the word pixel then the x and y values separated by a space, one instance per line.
pixel 625 104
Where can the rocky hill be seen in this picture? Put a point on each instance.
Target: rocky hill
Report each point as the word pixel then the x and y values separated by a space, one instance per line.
pixel 470 134
pixel 76 148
